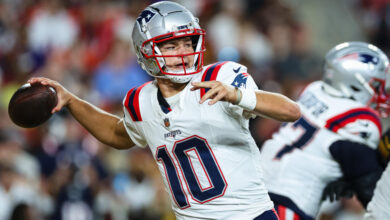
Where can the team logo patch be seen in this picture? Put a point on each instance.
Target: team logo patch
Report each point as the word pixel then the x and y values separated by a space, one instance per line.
pixel 146 15
pixel 166 122
pixel 240 80
pixel 362 57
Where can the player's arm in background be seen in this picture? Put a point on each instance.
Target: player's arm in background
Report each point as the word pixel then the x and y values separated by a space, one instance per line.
pixel 361 170
pixel 268 104
pixel 276 106
pixel 106 127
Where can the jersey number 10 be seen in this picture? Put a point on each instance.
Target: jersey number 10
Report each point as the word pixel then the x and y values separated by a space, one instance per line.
pixel 210 165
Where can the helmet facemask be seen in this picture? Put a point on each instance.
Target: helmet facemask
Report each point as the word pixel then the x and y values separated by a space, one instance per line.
pixel 380 101
pixel 151 49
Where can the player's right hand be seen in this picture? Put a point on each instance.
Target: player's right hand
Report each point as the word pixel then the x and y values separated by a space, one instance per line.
pixel 63 95
pixel 218 91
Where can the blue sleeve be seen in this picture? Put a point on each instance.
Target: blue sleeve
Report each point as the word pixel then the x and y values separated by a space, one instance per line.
pixel 360 165
pixel 355 159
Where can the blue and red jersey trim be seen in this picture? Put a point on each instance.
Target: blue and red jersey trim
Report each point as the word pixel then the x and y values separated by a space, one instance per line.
pixel 282 213
pixel 268 215
pixel 282 203
pixel 341 120
pixel 132 102
pixel 164 105
pixel 166 110
pixel 210 74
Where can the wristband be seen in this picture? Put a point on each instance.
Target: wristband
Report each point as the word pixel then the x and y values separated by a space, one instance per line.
pixel 248 99
pixel 238 94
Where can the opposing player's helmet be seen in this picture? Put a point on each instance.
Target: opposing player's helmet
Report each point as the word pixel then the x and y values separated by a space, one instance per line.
pixel 161 22
pixel 358 70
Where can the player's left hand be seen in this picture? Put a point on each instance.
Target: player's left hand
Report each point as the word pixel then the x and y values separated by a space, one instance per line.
pixel 218 91
pixel 337 189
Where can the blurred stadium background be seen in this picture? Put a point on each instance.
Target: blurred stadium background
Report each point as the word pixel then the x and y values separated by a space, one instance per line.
pixel 58 171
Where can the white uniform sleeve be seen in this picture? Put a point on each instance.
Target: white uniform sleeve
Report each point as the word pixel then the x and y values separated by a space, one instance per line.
pixel 132 130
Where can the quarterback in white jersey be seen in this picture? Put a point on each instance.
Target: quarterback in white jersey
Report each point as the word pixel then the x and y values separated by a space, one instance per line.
pixel 194 119
pixel 204 152
pixel 336 136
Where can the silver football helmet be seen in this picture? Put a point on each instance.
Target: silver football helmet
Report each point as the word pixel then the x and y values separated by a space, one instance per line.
pixel 161 22
pixel 358 70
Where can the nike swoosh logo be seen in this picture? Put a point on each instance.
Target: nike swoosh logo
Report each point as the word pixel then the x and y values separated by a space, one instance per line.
pixel 236 70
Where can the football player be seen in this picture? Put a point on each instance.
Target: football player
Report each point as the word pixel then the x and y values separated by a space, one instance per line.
pixel 194 119
pixel 336 137
pixel 379 207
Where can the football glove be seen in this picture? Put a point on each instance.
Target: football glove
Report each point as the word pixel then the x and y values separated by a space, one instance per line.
pixel 337 189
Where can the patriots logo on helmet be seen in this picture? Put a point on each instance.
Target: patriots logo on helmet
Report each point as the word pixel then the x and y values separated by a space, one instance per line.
pixel 362 57
pixel 240 80
pixel 147 15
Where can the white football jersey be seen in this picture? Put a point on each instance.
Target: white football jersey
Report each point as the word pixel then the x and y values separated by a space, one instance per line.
pixel 205 153
pixel 296 161
pixel 379 206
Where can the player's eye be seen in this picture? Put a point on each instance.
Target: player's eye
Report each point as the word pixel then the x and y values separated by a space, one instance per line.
pixel 169 47
pixel 188 45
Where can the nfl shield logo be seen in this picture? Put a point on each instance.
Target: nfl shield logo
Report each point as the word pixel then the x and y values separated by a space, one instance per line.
pixel 166 122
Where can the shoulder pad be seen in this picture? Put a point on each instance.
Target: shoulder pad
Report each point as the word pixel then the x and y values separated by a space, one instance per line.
pixel 357 124
pixel 341 120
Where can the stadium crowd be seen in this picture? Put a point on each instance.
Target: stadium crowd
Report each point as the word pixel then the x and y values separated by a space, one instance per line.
pixel 58 170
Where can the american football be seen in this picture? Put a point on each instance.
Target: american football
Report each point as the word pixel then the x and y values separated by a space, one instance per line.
pixel 31 105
